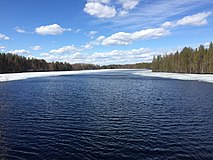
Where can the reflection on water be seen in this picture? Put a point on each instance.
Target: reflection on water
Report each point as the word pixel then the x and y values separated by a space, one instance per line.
pixel 113 115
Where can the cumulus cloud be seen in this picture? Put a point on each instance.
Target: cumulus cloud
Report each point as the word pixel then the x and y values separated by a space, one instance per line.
pixel 122 56
pixel 87 46
pixel 123 13
pixel 99 10
pixel 77 30
pixel 129 4
pixel 100 1
pixel 44 54
pixel 53 29
pixel 167 24
pixel 123 38
pixel 3 37
pixel 199 19
pixel 121 53
pixel 96 42
pixel 107 8
pixel 103 58
pixel 91 34
pixel 195 20
pixel 2 47
pixel 20 30
pixel 66 49
pixel 20 51
pixel 76 57
pixel 36 48
pixel 99 40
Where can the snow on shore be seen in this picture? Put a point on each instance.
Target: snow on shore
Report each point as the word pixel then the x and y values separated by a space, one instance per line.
pixel 149 73
pixel 180 76
pixel 21 76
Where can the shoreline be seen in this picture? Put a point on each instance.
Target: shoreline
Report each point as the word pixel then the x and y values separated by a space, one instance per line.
pixel 142 72
pixel 179 76
pixel 6 77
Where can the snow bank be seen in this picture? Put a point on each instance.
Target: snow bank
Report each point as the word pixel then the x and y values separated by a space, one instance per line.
pixel 180 76
pixel 149 73
pixel 21 76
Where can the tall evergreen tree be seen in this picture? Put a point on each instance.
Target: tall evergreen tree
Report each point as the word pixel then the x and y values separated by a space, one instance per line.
pixel 188 60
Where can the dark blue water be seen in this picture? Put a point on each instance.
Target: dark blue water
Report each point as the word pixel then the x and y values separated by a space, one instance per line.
pixel 113 115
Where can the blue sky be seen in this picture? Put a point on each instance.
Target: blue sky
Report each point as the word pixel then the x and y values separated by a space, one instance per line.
pixel 103 31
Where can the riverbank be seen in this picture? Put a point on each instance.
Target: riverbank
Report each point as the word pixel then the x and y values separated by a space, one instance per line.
pixel 27 75
pixel 180 76
pixel 20 76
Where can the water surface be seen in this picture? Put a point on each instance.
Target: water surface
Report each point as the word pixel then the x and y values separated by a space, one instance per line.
pixel 111 115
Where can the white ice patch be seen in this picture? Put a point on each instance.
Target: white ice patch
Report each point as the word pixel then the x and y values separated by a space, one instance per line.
pixel 148 73
pixel 21 76
pixel 180 76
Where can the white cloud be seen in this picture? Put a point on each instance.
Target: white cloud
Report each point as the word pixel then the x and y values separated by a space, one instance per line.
pixel 76 57
pixel 122 56
pixel 53 29
pixel 19 30
pixel 66 49
pixel 195 20
pixel 99 39
pixel 3 37
pixel 77 30
pixel 100 1
pixel 44 54
pixel 91 44
pixel 199 19
pixel 87 46
pixel 100 10
pixel 120 38
pixel 103 58
pixel 152 14
pixel 91 34
pixel 123 38
pixel 96 42
pixel 123 13
pixel 20 51
pixel 70 50
pixel 129 4
pixel 167 24
pixel 107 9
pixel 2 47
pixel 36 48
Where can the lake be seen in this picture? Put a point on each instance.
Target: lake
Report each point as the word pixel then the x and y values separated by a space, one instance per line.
pixel 108 115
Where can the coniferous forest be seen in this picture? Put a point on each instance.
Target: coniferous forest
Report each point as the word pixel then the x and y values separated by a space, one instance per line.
pixel 199 60
pixel 12 63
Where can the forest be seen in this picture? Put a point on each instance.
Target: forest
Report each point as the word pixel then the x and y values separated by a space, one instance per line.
pixel 128 66
pixel 199 60
pixel 12 63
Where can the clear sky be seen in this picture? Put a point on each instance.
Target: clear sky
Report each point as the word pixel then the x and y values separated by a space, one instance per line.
pixel 103 31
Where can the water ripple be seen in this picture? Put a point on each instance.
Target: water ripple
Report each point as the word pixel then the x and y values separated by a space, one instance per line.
pixel 106 116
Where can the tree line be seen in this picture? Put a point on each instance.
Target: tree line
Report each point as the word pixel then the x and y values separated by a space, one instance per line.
pixel 188 60
pixel 199 60
pixel 13 63
pixel 128 66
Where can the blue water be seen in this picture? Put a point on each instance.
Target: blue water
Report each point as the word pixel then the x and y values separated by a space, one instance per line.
pixel 110 115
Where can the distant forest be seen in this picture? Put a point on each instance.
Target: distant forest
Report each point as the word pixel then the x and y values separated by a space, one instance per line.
pixel 12 63
pixel 199 60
